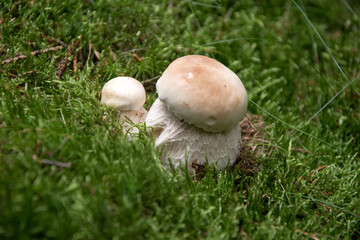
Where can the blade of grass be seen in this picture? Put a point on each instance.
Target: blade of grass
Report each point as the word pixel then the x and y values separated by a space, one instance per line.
pixel 350 8
pixel 205 4
pixel 231 40
pixel 332 99
pixel 197 22
pixel 327 203
pixel 323 42
pixel 291 126
pixel 314 45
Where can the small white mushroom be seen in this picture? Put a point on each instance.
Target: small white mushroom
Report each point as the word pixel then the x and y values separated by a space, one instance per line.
pixel 196 118
pixel 127 95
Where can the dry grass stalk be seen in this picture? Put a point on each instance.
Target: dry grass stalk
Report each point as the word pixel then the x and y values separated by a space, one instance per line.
pixel 75 61
pixel 139 59
pixel 34 53
pixel 2 48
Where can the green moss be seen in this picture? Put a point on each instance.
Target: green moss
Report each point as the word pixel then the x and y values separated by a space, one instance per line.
pixel 116 188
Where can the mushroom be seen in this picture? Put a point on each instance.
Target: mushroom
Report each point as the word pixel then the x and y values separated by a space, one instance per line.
pixel 127 95
pixel 196 117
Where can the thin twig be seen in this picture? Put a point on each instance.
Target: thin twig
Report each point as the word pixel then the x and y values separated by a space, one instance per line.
pixel 99 95
pixel 139 59
pixel 51 39
pixel 133 50
pixel 55 163
pixel 18 76
pixel 75 63
pixel 10 74
pixel 301 150
pixel 2 48
pixel 26 73
pixel 147 81
pixel 34 53
pixel 284 191
pixel 318 169
pixel 54 40
pixel 96 53
pixel 311 235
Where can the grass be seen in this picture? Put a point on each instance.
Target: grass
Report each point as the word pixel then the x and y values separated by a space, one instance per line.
pixel 69 173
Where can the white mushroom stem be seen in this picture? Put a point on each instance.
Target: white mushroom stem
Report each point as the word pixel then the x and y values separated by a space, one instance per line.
pixel 181 142
pixel 135 116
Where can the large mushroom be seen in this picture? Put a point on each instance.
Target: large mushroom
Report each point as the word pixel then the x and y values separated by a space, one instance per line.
pixel 128 96
pixel 196 117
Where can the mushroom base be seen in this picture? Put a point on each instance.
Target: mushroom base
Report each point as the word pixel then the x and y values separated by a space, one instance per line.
pixel 135 116
pixel 181 142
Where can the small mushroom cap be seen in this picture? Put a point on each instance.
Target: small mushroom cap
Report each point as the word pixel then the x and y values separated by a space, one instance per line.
pixel 123 93
pixel 203 92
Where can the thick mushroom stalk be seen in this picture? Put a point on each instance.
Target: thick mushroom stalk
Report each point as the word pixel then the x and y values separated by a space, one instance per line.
pixel 127 95
pixel 181 142
pixel 196 118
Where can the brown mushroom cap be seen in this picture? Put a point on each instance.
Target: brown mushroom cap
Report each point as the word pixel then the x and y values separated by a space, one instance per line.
pixel 203 92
